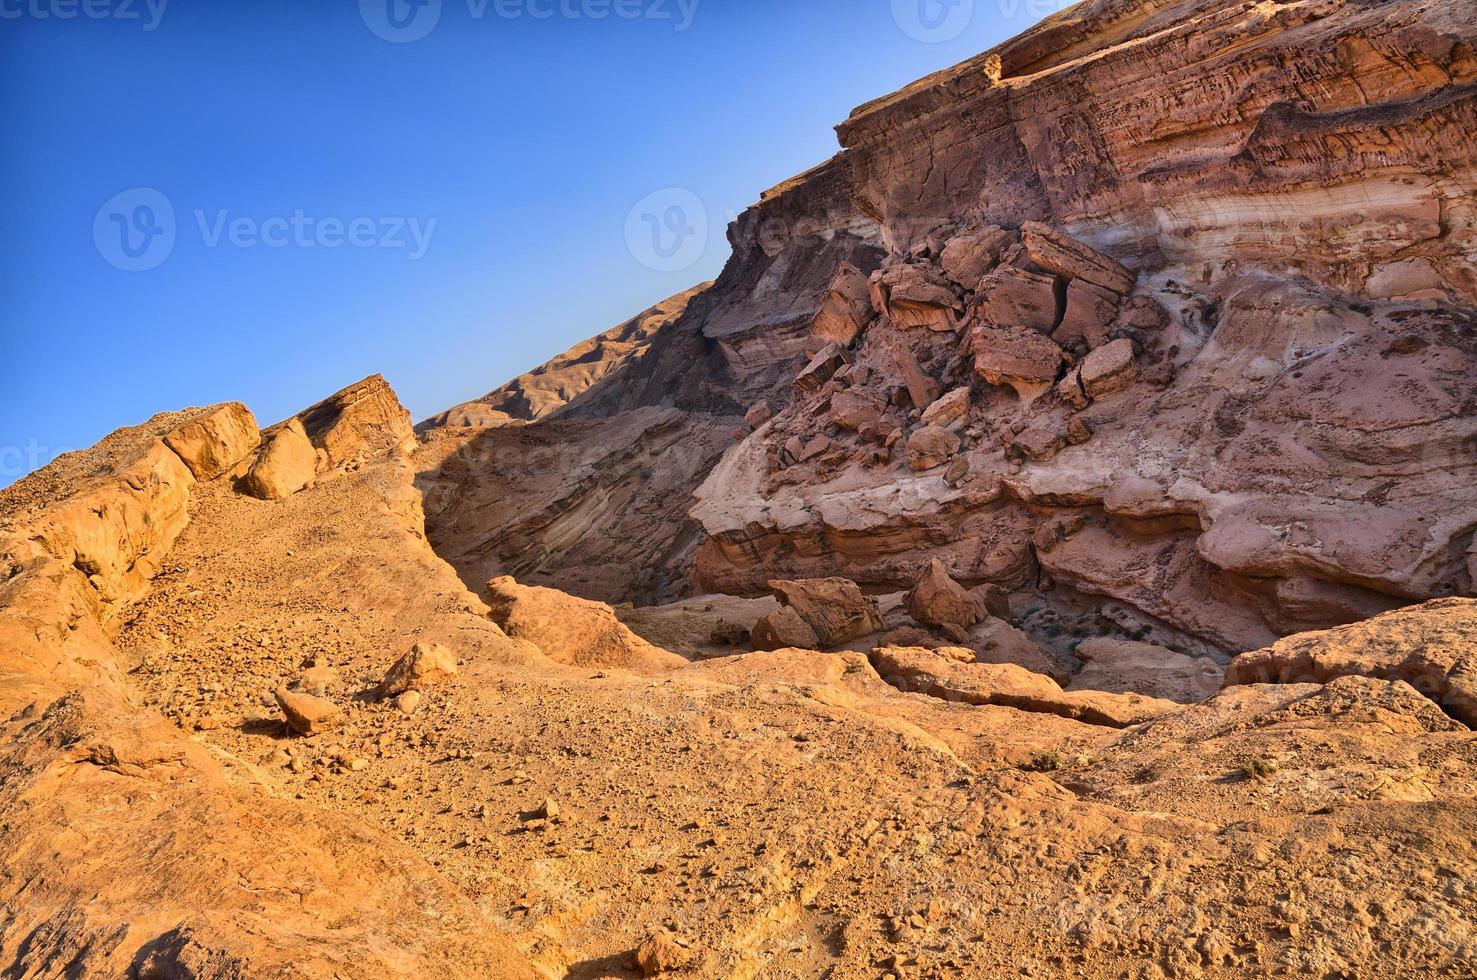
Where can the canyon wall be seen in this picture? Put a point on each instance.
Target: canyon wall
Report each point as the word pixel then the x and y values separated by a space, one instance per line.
pixel 1254 230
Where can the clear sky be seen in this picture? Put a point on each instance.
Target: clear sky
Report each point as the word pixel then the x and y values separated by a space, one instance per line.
pixel 264 200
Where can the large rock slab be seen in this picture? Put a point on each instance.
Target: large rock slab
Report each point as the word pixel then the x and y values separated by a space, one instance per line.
pixel 1432 647
pixel 215 442
pixel 574 631
pixel 1066 256
pixel 940 676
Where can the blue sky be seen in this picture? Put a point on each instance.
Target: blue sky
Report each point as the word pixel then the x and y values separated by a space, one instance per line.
pixel 443 193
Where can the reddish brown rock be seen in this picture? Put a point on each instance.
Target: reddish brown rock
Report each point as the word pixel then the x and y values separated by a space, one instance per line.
pixel 309 715
pixel 833 608
pixel 1109 370
pixel 820 369
pixel 940 676
pixel 1011 297
pixel 1091 310
pixel 572 631
pixel 846 308
pixel 783 629
pixel 1064 255
pixel 937 600
pixel 1039 443
pixel 427 665
pixel 969 256
pixel 931 446
pixel 947 409
pixel 917 297
pixel 1024 359
pixel 857 408
pixel 922 389
pixel 1432 647
pixel 758 414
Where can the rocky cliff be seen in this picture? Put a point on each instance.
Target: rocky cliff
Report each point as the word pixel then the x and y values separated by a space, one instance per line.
pixel 1168 305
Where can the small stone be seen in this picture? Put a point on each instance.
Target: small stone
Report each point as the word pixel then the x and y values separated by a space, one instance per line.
pixel 661 953
pixel 308 715
pixel 426 665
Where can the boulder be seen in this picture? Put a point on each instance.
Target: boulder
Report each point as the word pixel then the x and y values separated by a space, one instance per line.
pixel 363 420
pixel 917 297
pixel 968 257
pixel 661 953
pixel 1065 256
pixel 1012 297
pixel 427 665
pixel 834 608
pixel 758 414
pixel 286 464
pixel 1123 667
pixel 923 390
pixel 1069 389
pixel 937 600
pixel 845 309
pixel 1109 369
pixel 857 408
pixel 1039 443
pixel 307 714
pixel 948 409
pixel 1091 310
pixel 783 629
pixel 213 443
pixel 573 631
pixel 1024 359
pixel 931 446
pixel 827 361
